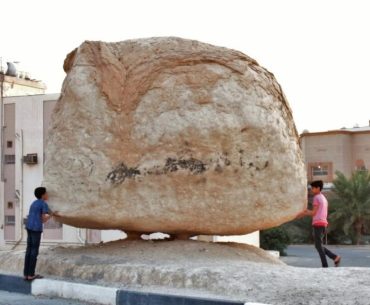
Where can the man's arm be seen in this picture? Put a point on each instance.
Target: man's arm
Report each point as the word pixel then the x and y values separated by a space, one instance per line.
pixel 308 212
pixel 45 217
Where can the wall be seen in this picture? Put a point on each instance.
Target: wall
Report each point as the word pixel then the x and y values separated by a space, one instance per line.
pixel 14 86
pixel 344 150
pixel 334 149
pixel 250 239
pixel 108 235
pixel 361 149
pixel 9 169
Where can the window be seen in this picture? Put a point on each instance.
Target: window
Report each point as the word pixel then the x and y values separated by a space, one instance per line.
pixel 10 205
pixel 360 165
pixel 10 220
pixel 320 170
pixel 9 159
pixel 361 169
pixel 9 144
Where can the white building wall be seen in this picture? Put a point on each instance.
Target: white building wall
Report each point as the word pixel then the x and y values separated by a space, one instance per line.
pixel 28 128
pixel 109 235
pixel 250 239
pixel 2 222
pixel 28 139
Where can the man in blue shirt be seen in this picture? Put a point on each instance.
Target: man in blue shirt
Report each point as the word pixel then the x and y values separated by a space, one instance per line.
pixel 39 214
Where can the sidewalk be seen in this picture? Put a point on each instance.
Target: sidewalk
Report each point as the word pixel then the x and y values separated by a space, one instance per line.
pixel 100 294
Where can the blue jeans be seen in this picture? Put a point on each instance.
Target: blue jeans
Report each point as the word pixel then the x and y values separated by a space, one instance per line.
pixel 33 245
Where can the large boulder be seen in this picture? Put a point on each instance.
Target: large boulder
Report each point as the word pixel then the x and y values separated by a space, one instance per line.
pixel 175 136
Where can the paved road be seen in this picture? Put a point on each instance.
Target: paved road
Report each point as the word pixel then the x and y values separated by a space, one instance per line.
pixel 307 256
pixel 7 298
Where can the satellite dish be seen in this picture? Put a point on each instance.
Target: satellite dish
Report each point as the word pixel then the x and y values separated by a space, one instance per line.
pixel 12 70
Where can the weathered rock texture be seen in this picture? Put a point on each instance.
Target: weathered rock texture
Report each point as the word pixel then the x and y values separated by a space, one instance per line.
pixel 172 135
pixel 226 271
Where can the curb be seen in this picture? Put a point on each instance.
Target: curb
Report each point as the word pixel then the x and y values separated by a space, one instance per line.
pixel 69 290
pixel 125 297
pixel 101 294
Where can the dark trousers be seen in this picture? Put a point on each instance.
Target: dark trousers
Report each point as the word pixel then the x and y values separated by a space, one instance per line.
pixel 319 233
pixel 33 245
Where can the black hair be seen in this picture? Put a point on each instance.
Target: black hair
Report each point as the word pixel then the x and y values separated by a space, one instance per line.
pixel 317 183
pixel 39 191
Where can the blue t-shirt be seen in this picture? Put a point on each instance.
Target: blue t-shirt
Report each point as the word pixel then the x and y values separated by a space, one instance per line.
pixel 34 220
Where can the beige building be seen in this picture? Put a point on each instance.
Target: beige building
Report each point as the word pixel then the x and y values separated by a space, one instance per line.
pixel 344 150
pixel 16 86
pixel 14 83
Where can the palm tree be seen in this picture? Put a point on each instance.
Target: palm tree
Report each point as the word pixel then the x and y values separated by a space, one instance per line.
pixel 351 204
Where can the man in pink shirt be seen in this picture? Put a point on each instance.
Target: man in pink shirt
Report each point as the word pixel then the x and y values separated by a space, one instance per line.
pixel 319 215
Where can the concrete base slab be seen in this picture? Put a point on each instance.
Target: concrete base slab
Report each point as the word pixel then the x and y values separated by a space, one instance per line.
pixel 198 270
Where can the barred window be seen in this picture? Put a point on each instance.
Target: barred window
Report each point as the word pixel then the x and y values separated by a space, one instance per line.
pixel 10 220
pixel 9 159
pixel 320 170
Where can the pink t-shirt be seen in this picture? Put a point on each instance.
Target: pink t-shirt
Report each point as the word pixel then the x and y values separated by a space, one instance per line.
pixel 320 219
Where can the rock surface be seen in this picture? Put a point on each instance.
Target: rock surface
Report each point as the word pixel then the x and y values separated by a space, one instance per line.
pixel 227 271
pixel 172 135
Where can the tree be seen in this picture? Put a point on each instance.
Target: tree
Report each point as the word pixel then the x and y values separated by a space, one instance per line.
pixel 351 204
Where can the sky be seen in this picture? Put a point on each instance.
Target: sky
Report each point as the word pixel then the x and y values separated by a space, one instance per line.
pixel 319 50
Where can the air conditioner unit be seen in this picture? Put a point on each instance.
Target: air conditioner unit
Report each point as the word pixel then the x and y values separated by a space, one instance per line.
pixel 30 159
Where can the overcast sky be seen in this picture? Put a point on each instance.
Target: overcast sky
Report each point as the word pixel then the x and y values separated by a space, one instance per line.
pixel 319 51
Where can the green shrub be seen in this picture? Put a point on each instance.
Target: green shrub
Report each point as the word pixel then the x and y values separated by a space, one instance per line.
pixel 299 231
pixel 275 239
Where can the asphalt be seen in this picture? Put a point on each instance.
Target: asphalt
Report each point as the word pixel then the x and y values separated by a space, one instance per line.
pixel 307 256
pixel 7 298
